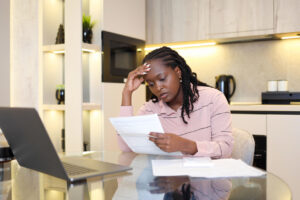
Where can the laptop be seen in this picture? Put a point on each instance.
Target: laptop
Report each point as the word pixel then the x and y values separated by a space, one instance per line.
pixel 33 149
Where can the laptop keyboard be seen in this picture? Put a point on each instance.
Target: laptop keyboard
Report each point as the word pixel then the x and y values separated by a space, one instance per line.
pixel 76 170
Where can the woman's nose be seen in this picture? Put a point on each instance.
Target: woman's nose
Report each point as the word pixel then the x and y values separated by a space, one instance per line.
pixel 158 86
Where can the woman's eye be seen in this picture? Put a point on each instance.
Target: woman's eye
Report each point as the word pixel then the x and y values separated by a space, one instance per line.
pixel 162 79
pixel 150 84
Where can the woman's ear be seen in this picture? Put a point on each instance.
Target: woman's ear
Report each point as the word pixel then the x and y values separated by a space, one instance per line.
pixel 178 71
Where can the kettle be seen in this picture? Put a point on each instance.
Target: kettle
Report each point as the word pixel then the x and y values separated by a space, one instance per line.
pixel 223 83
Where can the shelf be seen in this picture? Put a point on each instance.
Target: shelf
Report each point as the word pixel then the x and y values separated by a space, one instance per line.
pixel 85 106
pixel 91 106
pixel 60 48
pixel 54 107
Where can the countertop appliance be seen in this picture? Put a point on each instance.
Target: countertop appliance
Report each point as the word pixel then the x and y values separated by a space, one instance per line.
pixel 280 97
pixel 226 84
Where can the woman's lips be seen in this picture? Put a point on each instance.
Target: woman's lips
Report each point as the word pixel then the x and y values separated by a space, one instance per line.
pixel 163 95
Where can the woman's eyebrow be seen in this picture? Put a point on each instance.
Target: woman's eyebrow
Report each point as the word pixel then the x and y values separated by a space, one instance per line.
pixel 159 74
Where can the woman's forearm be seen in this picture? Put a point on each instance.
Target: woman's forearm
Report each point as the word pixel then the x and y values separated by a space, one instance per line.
pixel 126 98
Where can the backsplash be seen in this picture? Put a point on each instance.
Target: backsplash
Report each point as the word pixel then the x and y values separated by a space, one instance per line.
pixel 251 63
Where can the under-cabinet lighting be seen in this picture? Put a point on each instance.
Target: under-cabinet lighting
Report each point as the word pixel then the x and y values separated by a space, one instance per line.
pixel 139 50
pixel 182 46
pixel 290 37
pixel 84 50
pixel 89 50
pixel 59 52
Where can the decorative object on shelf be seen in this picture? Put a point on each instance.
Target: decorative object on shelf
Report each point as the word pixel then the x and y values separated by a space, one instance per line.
pixel 60 38
pixel 87 26
pixel 6 153
pixel 60 94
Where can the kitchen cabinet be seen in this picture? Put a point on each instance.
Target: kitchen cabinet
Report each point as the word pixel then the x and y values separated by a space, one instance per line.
pixel 284 149
pixel 232 18
pixel 176 20
pixel 255 124
pixel 286 16
pixel 179 20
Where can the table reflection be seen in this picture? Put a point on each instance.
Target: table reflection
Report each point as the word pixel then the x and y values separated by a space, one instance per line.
pixel 184 188
pixel 22 183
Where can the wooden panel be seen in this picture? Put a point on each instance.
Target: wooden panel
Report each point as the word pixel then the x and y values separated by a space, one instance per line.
pixel 287 16
pixel 283 149
pixel 255 124
pixel 5 53
pixel 176 20
pixel 235 16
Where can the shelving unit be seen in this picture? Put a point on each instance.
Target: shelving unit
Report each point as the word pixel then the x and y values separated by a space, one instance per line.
pixel 59 70
pixel 60 48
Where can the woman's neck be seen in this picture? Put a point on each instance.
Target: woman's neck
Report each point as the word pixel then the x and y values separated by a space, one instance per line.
pixel 177 101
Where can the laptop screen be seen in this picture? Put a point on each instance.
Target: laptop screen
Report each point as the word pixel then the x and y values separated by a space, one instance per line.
pixel 29 140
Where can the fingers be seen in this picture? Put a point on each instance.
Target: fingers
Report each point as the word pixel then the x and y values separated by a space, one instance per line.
pixel 156 137
pixel 140 71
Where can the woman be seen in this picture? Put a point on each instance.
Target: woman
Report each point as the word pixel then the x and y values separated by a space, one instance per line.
pixel 195 117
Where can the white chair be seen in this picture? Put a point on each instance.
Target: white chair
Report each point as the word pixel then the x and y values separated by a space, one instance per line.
pixel 243 147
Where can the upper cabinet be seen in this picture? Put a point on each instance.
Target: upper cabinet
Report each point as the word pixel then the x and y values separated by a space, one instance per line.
pixel 232 18
pixel 287 16
pixel 189 20
pixel 176 20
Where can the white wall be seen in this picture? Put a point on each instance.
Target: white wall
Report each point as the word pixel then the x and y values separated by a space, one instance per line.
pixel 251 63
pixel 111 108
pixel 125 17
pixel 5 53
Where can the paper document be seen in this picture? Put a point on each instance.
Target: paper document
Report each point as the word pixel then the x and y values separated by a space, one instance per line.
pixel 197 162
pixel 219 168
pixel 135 132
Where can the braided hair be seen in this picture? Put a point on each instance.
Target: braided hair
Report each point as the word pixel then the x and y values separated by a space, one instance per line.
pixel 189 79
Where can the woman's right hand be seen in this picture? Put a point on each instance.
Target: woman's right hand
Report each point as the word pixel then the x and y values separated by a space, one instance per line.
pixel 135 78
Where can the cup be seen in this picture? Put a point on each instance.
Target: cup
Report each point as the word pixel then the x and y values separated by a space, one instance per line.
pixel 272 86
pixel 282 85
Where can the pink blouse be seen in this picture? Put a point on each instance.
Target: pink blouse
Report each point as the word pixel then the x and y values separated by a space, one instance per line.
pixel 209 124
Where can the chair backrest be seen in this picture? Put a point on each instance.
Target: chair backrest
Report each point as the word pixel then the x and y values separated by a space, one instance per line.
pixel 244 145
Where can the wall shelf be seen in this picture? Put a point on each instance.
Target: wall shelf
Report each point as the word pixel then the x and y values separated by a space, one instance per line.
pixel 60 48
pixel 61 107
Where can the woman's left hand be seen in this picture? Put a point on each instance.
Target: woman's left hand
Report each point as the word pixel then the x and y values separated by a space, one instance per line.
pixel 170 142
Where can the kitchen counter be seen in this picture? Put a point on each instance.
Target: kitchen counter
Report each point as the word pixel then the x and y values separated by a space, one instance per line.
pixel 258 108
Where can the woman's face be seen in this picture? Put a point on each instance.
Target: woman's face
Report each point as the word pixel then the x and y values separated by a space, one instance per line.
pixel 164 82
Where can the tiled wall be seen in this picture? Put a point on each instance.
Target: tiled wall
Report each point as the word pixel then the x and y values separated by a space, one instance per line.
pixel 251 63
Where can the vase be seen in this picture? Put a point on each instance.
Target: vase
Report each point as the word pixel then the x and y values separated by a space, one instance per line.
pixel 60 96
pixel 87 35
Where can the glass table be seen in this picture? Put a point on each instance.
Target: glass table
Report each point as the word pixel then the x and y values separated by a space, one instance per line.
pixel 21 183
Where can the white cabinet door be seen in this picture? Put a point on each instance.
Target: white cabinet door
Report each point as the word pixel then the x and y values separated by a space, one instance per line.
pixel 287 14
pixel 176 20
pixel 233 18
pixel 283 152
pixel 253 123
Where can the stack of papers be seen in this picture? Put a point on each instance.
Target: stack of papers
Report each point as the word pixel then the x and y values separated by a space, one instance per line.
pixel 135 132
pixel 210 169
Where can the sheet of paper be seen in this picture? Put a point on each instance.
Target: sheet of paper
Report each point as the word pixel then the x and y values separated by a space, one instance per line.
pixel 220 168
pixel 197 162
pixel 135 132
